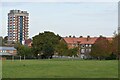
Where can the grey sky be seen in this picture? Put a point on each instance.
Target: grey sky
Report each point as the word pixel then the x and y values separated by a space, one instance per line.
pixel 83 18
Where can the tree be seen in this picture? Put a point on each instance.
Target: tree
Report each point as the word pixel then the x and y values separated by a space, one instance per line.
pixel 73 52
pixel 1 41
pixel 61 48
pixel 44 44
pixel 48 50
pixel 5 39
pixel 23 51
pixel 101 49
pixel 115 45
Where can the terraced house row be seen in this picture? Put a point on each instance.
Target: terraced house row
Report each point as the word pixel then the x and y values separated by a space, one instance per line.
pixel 84 44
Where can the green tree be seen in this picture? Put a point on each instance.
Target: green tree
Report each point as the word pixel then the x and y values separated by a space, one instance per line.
pixel 23 51
pixel 1 41
pixel 5 39
pixel 73 52
pixel 101 49
pixel 61 49
pixel 44 44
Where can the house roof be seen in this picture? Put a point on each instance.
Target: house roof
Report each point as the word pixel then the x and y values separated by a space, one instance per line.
pixel 82 40
pixel 70 40
pixel 89 40
pixel 110 38
pixel 7 48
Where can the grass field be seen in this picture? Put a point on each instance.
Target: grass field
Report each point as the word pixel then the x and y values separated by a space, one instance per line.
pixel 59 69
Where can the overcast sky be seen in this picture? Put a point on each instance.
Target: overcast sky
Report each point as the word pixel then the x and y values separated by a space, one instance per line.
pixel 81 18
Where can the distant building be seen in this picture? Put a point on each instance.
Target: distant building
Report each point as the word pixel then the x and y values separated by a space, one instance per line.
pixel 17 26
pixel 10 50
pixel 28 42
pixel 84 44
pixel 7 51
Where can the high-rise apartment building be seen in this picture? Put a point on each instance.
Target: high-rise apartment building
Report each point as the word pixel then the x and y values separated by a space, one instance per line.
pixel 17 26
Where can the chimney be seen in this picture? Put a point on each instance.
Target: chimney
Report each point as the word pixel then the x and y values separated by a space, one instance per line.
pixel 80 36
pixel 101 36
pixel 70 36
pixel 88 37
pixel 73 36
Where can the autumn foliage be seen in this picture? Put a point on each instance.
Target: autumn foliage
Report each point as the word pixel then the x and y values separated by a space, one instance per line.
pixel 101 49
pixel 116 45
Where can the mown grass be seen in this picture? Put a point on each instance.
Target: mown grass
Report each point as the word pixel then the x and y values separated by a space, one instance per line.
pixel 60 68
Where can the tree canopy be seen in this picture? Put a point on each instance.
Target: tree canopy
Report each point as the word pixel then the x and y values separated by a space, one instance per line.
pixel 44 44
pixel 101 49
pixel 115 45
pixel 23 50
pixel 73 52
pixel 61 48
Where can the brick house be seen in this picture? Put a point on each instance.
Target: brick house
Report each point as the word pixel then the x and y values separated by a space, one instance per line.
pixel 84 44
pixel 7 51
pixel 28 42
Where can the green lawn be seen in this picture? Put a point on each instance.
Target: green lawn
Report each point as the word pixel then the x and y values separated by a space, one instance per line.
pixel 60 69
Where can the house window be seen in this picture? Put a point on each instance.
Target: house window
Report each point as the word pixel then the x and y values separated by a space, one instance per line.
pixel 89 50
pixel 11 51
pixel 74 45
pixel 82 50
pixel 90 45
pixel 4 51
pixel 86 45
pixel 83 46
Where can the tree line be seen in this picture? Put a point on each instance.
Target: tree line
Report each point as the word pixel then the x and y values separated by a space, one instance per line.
pixel 105 49
pixel 44 46
pixel 47 44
